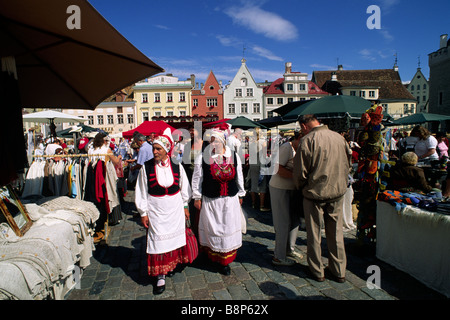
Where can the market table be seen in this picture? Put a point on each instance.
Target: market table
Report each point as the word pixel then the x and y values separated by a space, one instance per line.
pixel 417 242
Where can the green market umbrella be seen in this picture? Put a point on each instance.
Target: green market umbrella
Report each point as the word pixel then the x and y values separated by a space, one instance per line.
pixel 68 133
pixel 331 107
pixel 419 118
pixel 245 123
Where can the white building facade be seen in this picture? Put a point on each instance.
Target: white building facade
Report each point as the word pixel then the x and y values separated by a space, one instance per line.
pixel 243 97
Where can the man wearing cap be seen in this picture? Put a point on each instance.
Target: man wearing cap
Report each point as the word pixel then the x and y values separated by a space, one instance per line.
pixel 321 168
pixel 145 151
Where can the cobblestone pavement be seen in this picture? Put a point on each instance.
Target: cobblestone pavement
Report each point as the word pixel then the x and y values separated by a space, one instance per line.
pixel 118 271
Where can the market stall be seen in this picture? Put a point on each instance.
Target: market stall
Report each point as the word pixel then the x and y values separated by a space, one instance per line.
pixel 415 241
pixel 44 246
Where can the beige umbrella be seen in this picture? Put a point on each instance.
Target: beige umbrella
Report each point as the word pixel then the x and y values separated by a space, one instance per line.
pixel 60 66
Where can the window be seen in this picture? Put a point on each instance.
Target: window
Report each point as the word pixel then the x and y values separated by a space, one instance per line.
pixel 169 113
pixel 280 100
pixel 157 113
pixel 120 119
pixel 244 108
pixel 418 87
pixel 424 87
pixel 119 109
pixel 99 119
pixel 256 108
pixel 371 94
pixel 353 93
pixel 290 100
pixel 169 97
pixel 90 119
pixel 412 87
pixel 238 92
pixel 182 96
pixel 145 116
pixel 183 113
pixel 362 94
pixel 243 82
pixel 130 119
pixel 231 108
pixel 290 87
pixel 157 97
pixel 249 92
pixel 110 119
pixel 269 100
pixel 145 98
pixel 211 102
pixel 405 108
pixel 195 103
pixel 302 87
pixel 424 98
pixel 441 98
pixel 270 114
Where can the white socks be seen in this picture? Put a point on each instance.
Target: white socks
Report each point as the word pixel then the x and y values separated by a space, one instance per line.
pixel 161 280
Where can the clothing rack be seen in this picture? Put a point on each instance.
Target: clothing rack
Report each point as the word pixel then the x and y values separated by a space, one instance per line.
pixel 71 155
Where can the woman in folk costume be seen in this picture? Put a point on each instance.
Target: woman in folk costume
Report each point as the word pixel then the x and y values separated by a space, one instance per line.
pixel 162 196
pixel 217 190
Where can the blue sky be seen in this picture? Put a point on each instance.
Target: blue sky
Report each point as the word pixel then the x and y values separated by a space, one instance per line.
pixel 194 37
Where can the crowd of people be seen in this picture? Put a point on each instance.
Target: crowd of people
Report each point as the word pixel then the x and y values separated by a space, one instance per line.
pixel 203 190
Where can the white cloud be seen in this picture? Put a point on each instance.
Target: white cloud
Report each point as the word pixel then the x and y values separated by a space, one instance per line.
pixel 321 66
pixel 387 35
pixel 229 41
pixel 374 55
pixel 260 51
pixel 263 22
pixel 160 26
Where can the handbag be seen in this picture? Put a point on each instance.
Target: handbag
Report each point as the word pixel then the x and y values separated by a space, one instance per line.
pixel 191 242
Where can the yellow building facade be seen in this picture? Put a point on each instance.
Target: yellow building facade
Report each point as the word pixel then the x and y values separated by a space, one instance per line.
pixel 162 96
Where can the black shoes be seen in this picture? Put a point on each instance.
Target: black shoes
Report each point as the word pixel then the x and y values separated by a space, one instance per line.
pixel 160 285
pixel 225 270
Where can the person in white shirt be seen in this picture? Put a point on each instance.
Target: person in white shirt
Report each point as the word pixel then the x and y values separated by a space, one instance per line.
pixel 425 147
pixel 53 147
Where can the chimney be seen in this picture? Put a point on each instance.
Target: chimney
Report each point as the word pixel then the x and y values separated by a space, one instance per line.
pixel 193 80
pixel 443 41
pixel 333 76
pixel 288 67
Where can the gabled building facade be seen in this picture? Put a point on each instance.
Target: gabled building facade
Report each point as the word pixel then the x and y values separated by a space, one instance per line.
pixel 383 86
pixel 243 97
pixel 419 88
pixel 207 100
pixel 163 97
pixel 294 86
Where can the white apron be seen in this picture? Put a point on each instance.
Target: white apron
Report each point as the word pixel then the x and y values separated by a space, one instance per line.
pixel 166 216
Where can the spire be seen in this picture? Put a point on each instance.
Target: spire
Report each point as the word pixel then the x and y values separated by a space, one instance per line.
pixel 418 63
pixel 395 62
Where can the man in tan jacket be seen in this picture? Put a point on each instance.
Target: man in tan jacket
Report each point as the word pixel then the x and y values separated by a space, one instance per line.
pixel 321 168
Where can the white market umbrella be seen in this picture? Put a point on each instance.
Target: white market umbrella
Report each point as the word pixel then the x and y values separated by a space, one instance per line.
pixel 49 116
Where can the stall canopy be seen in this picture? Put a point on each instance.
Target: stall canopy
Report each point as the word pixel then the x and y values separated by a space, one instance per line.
pixel 331 106
pixel 148 127
pixel 419 118
pixel 61 66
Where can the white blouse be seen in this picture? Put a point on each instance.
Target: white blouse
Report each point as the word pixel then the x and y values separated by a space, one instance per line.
pixel 166 216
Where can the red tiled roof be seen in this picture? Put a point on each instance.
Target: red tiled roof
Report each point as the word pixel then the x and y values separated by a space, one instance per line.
pixel 277 88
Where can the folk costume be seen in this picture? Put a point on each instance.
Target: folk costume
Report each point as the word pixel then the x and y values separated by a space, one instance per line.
pixel 218 181
pixel 162 193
